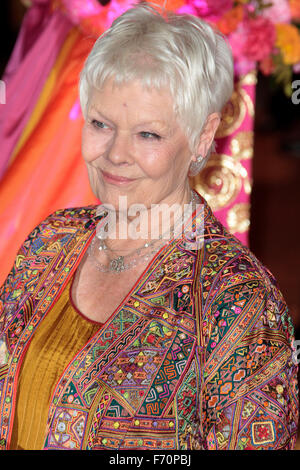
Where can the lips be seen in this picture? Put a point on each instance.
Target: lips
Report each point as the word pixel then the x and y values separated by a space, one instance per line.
pixel 115 179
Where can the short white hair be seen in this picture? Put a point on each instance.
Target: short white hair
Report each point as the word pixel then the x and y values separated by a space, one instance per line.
pixel 180 52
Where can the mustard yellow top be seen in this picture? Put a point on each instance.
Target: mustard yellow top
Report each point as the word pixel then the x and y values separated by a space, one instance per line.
pixel 59 337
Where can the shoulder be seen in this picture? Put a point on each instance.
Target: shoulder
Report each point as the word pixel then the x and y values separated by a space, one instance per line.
pixel 62 222
pixel 76 217
pixel 228 259
pixel 236 286
pixel 44 242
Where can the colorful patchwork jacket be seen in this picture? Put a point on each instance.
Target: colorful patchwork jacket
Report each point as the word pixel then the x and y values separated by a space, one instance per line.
pixel 198 356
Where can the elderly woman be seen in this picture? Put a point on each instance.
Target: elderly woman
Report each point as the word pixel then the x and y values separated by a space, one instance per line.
pixel 175 341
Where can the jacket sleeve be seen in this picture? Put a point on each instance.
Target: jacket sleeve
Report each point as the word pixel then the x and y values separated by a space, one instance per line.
pixel 13 294
pixel 13 290
pixel 249 396
pixel 24 274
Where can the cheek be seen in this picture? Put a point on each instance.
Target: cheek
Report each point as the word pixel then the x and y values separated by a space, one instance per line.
pixel 155 164
pixel 163 163
pixel 86 144
pixel 91 145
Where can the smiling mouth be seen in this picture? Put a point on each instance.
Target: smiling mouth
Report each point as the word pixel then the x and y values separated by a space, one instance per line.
pixel 114 179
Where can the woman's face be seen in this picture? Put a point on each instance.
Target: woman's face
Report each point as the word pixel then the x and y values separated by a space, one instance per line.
pixel 134 147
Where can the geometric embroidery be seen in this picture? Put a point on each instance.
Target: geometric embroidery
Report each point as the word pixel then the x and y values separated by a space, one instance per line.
pixel 68 427
pixel 181 365
pixel 263 432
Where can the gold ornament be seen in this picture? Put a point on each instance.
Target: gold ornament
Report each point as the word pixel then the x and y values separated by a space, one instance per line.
pixel 221 180
pixel 241 145
pixel 234 112
pixel 248 79
pixel 238 218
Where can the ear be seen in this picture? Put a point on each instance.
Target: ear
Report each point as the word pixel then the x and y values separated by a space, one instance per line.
pixel 207 135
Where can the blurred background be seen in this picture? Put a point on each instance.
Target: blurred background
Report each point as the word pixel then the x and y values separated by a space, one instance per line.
pixel 274 235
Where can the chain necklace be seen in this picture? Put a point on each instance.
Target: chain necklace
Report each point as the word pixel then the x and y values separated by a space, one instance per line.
pixel 144 253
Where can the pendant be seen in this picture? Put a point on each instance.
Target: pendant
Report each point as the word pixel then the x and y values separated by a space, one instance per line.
pixel 117 264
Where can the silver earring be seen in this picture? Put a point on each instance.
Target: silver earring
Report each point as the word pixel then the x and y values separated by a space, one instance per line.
pixel 196 167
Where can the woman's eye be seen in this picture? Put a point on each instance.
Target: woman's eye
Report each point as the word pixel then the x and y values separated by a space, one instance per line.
pixel 149 135
pixel 98 124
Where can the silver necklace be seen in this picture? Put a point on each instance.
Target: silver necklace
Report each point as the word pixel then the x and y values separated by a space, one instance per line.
pixel 121 263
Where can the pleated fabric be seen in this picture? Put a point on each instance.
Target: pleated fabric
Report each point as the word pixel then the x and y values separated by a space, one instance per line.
pixel 40 40
pixel 49 154
pixel 46 92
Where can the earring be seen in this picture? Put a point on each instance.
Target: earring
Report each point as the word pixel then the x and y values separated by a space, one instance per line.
pixel 196 166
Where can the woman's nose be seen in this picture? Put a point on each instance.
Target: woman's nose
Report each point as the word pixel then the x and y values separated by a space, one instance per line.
pixel 119 151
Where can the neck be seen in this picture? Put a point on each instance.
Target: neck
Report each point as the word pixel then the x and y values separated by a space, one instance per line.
pixel 128 231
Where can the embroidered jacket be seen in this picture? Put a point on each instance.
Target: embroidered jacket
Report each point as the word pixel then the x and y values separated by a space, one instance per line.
pixel 198 356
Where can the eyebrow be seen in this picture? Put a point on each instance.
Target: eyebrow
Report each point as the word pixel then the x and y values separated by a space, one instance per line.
pixel 144 123
pixel 92 108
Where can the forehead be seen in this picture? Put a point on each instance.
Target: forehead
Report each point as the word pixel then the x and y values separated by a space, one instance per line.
pixel 133 98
